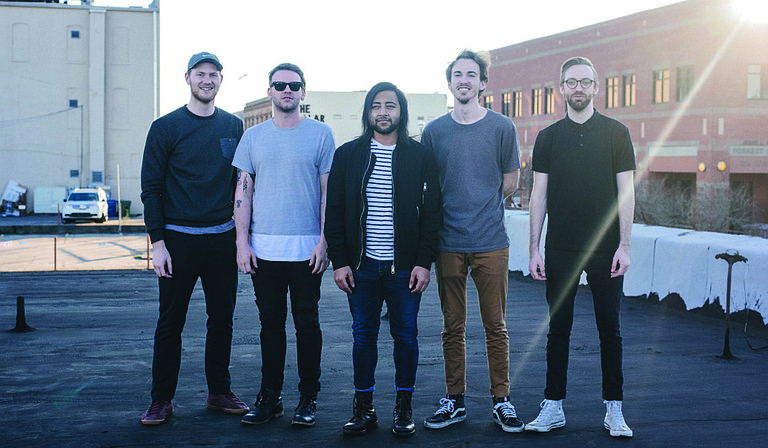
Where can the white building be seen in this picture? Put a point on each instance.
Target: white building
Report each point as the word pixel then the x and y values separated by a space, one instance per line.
pixel 81 89
pixel 342 111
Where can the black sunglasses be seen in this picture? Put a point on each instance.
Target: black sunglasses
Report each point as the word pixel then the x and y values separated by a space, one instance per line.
pixel 281 85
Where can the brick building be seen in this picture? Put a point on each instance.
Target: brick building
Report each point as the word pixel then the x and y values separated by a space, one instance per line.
pixel 690 80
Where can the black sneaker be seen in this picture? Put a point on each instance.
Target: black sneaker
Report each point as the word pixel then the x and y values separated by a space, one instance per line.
pixel 305 411
pixel 451 411
pixel 504 414
pixel 269 405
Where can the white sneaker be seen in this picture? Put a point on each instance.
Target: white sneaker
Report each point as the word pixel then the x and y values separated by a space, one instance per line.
pixel 550 417
pixel 614 420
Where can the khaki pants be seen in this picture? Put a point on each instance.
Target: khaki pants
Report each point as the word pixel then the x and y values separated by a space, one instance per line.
pixel 489 271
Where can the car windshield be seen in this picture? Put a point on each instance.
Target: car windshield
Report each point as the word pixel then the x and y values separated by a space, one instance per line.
pixel 84 197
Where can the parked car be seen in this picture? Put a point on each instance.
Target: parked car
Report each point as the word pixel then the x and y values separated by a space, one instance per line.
pixel 85 204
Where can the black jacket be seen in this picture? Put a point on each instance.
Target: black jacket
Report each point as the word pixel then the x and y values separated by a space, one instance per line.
pixel 416 197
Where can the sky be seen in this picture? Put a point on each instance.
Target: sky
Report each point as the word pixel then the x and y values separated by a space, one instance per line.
pixel 349 45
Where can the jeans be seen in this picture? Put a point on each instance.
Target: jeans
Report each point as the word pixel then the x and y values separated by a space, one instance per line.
pixel 489 271
pixel 271 283
pixel 374 284
pixel 212 258
pixel 563 270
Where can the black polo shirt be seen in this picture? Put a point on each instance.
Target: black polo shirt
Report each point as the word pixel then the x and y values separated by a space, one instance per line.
pixel 582 161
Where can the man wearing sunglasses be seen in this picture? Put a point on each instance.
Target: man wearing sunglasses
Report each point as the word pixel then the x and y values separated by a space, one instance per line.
pixel 583 178
pixel 283 167
pixel 186 187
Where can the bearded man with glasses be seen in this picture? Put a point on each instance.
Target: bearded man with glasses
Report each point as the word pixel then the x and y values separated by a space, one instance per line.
pixel 583 178
pixel 282 174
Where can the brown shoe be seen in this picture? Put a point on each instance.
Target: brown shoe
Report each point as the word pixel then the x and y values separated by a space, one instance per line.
pixel 228 403
pixel 157 413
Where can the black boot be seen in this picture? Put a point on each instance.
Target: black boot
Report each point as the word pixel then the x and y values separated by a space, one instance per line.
pixel 403 415
pixel 305 411
pixel 269 405
pixel 364 416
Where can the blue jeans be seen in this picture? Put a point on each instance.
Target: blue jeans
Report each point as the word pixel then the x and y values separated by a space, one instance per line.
pixel 375 283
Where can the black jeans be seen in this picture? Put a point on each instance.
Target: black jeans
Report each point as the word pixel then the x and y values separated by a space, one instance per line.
pixel 271 283
pixel 563 271
pixel 212 259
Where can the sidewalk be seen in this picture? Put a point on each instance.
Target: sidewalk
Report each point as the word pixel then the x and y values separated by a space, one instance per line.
pixel 82 378
pixel 51 225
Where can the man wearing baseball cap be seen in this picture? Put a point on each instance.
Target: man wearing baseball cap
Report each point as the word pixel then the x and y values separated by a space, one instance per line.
pixel 187 184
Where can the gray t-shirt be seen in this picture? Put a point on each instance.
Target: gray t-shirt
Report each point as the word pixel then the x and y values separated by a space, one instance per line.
pixel 287 164
pixel 472 159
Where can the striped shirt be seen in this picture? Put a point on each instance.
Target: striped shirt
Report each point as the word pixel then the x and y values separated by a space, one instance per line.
pixel 379 227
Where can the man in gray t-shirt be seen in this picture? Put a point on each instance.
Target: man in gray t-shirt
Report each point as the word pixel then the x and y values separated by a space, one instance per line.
pixel 282 175
pixel 478 157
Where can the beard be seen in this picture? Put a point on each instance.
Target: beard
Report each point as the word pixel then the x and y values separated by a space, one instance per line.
pixel 205 100
pixel 289 108
pixel 385 131
pixel 579 105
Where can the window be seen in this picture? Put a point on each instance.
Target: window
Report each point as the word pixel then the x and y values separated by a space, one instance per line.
pixel 549 100
pixel 517 103
pixel 612 92
pixel 488 102
pixel 74 173
pixel 629 90
pixel 661 86
pixel 757 82
pixel 536 101
pixel 684 83
pixel 74 34
pixel 73 104
pixel 506 99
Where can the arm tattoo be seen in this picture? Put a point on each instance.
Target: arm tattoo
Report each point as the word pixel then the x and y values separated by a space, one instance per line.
pixel 238 203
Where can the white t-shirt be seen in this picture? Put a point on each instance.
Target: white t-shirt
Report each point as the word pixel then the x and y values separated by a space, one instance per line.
pixel 287 164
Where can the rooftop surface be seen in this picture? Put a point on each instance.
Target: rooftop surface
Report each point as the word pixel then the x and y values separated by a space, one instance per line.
pixel 82 378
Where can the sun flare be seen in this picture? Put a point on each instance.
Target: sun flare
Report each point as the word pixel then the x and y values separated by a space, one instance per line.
pixel 752 10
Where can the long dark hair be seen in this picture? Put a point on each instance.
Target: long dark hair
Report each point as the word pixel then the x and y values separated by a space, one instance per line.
pixel 402 127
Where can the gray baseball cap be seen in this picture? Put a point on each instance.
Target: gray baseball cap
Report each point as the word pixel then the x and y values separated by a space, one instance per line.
pixel 203 57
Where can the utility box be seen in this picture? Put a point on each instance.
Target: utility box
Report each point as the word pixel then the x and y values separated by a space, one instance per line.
pixel 47 199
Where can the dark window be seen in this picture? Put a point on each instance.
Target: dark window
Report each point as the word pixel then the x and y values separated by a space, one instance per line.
pixel 612 92
pixel 549 100
pixel 757 82
pixel 506 99
pixel 536 101
pixel 661 86
pixel 74 34
pixel 629 90
pixel 517 103
pixel 73 103
pixel 684 82
pixel 488 102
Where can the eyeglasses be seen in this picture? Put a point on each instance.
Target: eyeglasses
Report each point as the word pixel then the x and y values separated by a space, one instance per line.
pixel 281 85
pixel 573 82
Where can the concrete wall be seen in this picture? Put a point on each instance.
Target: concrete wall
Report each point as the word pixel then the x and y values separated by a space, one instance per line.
pixel 667 260
pixel 105 60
